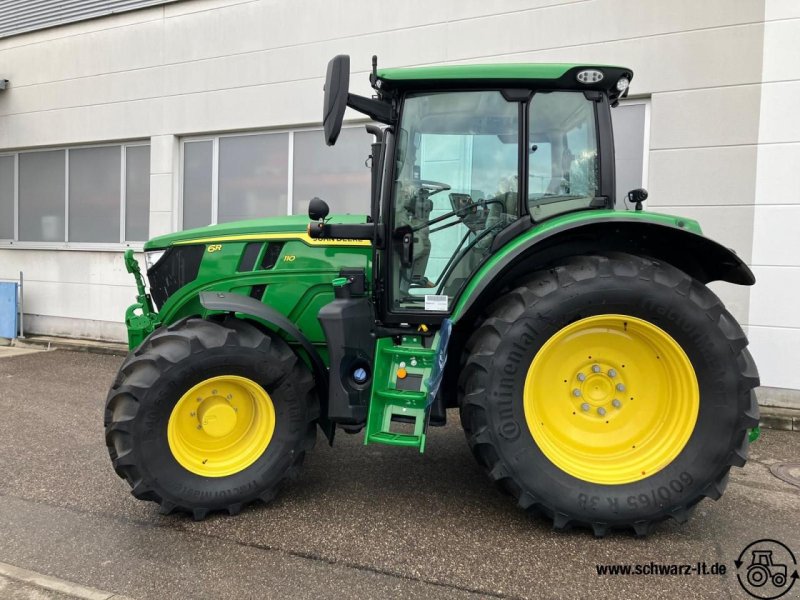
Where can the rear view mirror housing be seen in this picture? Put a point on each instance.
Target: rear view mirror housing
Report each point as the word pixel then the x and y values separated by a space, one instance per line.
pixel 337 82
pixel 337 99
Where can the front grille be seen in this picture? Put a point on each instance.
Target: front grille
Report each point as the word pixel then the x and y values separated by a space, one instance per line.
pixel 178 267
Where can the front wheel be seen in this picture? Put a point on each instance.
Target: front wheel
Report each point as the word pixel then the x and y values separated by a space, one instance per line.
pixel 609 392
pixel 208 416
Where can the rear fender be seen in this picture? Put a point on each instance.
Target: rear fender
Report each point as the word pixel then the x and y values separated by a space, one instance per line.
pixel 702 258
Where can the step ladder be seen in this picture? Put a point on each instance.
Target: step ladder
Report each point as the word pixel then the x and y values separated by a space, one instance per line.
pixel 400 392
pixel 406 379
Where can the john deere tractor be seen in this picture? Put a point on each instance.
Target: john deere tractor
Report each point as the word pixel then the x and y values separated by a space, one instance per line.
pixel 598 380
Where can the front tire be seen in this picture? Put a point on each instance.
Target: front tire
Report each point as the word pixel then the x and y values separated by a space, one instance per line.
pixel 208 416
pixel 609 392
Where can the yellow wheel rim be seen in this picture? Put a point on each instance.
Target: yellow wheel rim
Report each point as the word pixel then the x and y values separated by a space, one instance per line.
pixel 611 399
pixel 221 426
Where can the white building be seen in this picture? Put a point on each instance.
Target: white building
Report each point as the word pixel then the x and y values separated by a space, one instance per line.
pixel 119 127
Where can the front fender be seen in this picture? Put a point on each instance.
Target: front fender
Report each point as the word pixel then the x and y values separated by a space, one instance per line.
pixel 249 307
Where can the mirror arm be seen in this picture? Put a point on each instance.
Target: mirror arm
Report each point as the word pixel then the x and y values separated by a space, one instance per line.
pixel 375 109
pixel 342 231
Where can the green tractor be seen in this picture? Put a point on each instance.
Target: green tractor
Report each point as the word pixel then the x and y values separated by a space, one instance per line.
pixel 599 381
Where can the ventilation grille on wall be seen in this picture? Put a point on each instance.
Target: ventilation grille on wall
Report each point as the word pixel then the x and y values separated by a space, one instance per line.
pixel 19 16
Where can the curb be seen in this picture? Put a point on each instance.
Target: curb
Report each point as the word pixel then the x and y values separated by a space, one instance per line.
pixel 74 345
pixel 54 584
pixel 786 419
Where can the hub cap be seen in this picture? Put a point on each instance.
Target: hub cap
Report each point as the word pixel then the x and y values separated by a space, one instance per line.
pixel 611 399
pixel 221 426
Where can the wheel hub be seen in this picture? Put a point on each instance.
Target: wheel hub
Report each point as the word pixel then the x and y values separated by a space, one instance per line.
pixel 216 416
pixel 597 386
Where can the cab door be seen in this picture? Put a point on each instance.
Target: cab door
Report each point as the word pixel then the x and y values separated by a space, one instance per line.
pixel 455 186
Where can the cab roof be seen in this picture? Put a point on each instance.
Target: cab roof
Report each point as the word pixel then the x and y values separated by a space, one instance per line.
pixel 533 75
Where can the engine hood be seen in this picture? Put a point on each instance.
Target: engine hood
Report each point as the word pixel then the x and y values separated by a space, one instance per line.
pixel 287 224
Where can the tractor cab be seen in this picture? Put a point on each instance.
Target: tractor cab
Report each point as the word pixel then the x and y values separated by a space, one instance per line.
pixel 471 157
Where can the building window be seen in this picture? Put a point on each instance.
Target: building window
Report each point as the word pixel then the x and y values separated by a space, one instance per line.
pixel 244 176
pixel 336 174
pixel 80 195
pixel 41 196
pixel 137 192
pixel 7 176
pixel 631 121
pixel 94 176
pixel 253 176
pixel 198 160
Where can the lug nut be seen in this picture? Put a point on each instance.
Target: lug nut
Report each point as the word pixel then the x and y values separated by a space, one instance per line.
pixel 595 368
pixel 601 411
pixel 616 403
pixel 612 373
pixel 620 387
pixel 584 406
pixel 576 392
pixel 581 377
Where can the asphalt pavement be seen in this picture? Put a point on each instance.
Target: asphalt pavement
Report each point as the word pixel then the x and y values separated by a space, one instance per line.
pixel 362 521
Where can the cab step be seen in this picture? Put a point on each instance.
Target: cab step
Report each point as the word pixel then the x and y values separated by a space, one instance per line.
pixel 400 393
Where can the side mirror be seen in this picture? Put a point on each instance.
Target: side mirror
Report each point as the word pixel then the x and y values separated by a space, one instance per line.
pixel 637 196
pixel 337 82
pixel 318 209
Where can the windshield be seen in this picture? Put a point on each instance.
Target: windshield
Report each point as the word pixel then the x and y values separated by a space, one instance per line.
pixel 456 181
pixel 563 164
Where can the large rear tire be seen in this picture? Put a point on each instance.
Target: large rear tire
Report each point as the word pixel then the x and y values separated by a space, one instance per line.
pixel 208 416
pixel 609 392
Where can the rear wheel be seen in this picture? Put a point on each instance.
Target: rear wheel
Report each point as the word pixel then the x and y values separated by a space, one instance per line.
pixel 210 416
pixel 609 392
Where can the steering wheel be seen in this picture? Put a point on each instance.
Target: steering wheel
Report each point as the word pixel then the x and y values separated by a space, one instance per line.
pixel 433 187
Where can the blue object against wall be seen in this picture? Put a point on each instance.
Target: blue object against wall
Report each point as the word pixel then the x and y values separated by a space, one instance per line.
pixel 8 310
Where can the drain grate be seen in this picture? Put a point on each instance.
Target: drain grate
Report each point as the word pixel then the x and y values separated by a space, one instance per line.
pixel 787 471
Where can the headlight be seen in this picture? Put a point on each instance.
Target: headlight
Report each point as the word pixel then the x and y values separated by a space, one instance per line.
pixel 622 84
pixel 152 257
pixel 590 76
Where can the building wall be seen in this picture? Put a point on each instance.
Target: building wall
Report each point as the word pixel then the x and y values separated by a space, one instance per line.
pixel 774 320
pixel 719 74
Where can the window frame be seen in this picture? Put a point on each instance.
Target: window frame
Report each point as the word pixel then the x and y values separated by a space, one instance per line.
pixel 6 243
pixel 214 138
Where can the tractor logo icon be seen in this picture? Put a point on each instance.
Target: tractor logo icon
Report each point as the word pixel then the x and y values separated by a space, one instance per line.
pixel 766 569
pixel 762 569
